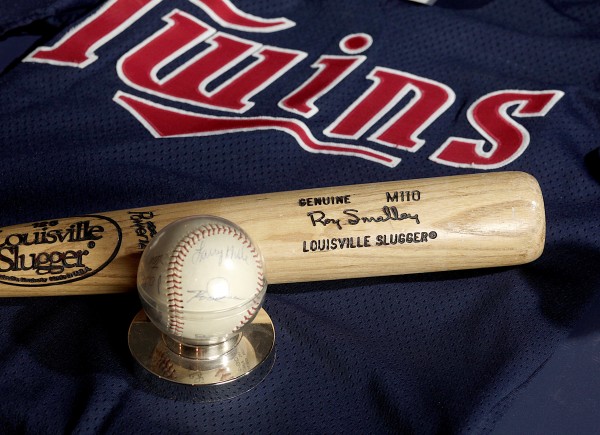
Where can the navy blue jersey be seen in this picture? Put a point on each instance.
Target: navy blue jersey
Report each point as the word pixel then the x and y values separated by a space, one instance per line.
pixel 124 104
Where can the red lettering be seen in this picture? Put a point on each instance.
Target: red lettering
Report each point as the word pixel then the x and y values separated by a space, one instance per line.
pixel 356 43
pixel 227 15
pixel 430 100
pixel 78 47
pixel 506 138
pixel 140 67
pixel 164 121
pixel 331 70
pixel 229 71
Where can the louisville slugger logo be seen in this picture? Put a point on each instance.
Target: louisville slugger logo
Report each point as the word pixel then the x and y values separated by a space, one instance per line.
pixel 225 74
pixel 58 251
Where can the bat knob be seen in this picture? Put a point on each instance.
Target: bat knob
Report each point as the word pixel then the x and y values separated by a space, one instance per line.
pixel 201 283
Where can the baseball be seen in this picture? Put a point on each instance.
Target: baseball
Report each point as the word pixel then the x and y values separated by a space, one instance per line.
pixel 201 279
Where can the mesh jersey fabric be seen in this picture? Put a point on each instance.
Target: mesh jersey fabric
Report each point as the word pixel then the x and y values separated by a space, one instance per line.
pixel 21 17
pixel 445 352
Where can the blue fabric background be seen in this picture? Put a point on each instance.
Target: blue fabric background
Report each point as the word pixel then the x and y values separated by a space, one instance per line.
pixel 457 352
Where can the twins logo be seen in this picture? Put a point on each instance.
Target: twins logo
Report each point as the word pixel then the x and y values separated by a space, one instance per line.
pixel 215 53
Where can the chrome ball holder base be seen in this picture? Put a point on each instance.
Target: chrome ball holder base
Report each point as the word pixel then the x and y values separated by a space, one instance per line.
pixel 203 373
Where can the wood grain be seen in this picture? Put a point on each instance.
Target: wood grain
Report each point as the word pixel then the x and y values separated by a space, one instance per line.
pixel 437 224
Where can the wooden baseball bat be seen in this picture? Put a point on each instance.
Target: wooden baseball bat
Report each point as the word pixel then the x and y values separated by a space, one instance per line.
pixel 388 228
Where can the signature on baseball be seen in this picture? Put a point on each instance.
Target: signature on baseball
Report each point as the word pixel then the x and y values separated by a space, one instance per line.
pixel 231 252
pixel 217 289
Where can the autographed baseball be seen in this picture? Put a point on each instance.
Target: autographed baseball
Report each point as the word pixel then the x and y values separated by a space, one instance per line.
pixel 201 279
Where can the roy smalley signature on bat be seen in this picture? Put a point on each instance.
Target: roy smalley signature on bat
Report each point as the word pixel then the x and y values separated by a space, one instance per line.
pixel 352 217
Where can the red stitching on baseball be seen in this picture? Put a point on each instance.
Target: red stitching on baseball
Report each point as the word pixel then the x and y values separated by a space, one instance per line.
pixel 165 364
pixel 175 317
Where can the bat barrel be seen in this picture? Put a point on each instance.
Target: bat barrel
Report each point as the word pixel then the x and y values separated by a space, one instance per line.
pixel 415 226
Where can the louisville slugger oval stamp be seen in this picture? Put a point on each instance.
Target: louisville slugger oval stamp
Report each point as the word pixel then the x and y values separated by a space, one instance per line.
pixel 57 251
